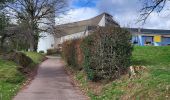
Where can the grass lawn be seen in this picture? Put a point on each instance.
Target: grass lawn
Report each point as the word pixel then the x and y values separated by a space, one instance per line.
pixel 153 84
pixel 36 57
pixel 11 79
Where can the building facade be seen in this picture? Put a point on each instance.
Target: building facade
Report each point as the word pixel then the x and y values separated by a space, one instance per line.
pixel 46 40
pixel 150 37
pixel 75 30
pixel 82 28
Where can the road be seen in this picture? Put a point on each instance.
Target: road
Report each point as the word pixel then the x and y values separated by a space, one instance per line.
pixel 51 83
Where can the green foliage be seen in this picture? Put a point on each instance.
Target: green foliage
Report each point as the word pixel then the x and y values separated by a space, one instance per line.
pixel 11 78
pixel 107 53
pixel 41 51
pixel 20 58
pixel 153 84
pixel 152 56
pixel 53 51
pixel 36 57
pixel 4 22
pixel 69 53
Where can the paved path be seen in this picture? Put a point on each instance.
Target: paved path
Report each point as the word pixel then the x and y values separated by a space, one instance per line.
pixel 51 83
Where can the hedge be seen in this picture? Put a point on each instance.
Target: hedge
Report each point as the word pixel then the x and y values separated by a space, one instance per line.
pixel 53 51
pixel 105 54
pixel 72 53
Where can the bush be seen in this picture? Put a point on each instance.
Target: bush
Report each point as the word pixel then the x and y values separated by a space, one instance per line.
pixel 107 53
pixel 21 59
pixel 72 53
pixel 41 51
pixel 53 51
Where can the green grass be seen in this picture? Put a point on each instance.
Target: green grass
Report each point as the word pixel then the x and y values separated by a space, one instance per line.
pixel 36 57
pixel 153 84
pixel 11 79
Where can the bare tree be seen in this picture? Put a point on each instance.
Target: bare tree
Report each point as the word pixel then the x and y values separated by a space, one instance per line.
pixel 34 13
pixel 4 22
pixel 3 3
pixel 150 6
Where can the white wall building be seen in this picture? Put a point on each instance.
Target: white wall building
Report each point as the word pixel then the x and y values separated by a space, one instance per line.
pixel 81 28
pixel 73 31
pixel 46 40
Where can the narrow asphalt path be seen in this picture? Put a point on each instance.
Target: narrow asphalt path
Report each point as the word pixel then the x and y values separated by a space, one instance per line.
pixel 51 83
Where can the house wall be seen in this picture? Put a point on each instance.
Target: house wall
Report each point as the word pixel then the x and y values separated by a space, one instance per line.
pixel 45 42
pixel 103 21
pixel 70 37
pixel 141 40
pixel 165 41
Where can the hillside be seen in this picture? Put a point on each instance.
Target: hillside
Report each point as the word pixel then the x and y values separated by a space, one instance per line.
pixel 153 83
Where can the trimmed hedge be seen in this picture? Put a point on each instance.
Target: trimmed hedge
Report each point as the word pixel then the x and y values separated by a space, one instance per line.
pixel 72 53
pixel 41 51
pixel 105 54
pixel 53 51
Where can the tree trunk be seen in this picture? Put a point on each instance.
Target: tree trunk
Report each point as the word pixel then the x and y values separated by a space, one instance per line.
pixel 32 43
pixel 36 45
pixel 2 42
pixel 31 46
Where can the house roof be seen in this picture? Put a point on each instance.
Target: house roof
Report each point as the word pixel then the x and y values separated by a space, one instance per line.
pixel 75 27
pixel 149 31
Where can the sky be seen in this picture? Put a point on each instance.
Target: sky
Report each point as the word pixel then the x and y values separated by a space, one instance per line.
pixel 125 12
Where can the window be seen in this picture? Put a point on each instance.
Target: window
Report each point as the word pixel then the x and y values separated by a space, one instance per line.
pixel 135 42
pixel 148 40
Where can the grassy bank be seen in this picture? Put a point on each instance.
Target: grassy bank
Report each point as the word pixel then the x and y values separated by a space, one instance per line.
pixel 153 84
pixel 36 57
pixel 11 79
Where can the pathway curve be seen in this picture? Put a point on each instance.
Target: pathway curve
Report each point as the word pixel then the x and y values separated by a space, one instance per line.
pixel 51 83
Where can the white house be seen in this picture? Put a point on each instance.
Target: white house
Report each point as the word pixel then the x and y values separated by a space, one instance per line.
pixel 81 28
pixel 46 40
pixel 74 30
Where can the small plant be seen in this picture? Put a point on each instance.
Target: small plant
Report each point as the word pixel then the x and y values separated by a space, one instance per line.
pixel 53 51
pixel 41 51
pixel 21 59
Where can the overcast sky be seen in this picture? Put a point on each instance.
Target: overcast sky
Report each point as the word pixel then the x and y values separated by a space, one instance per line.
pixel 125 12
